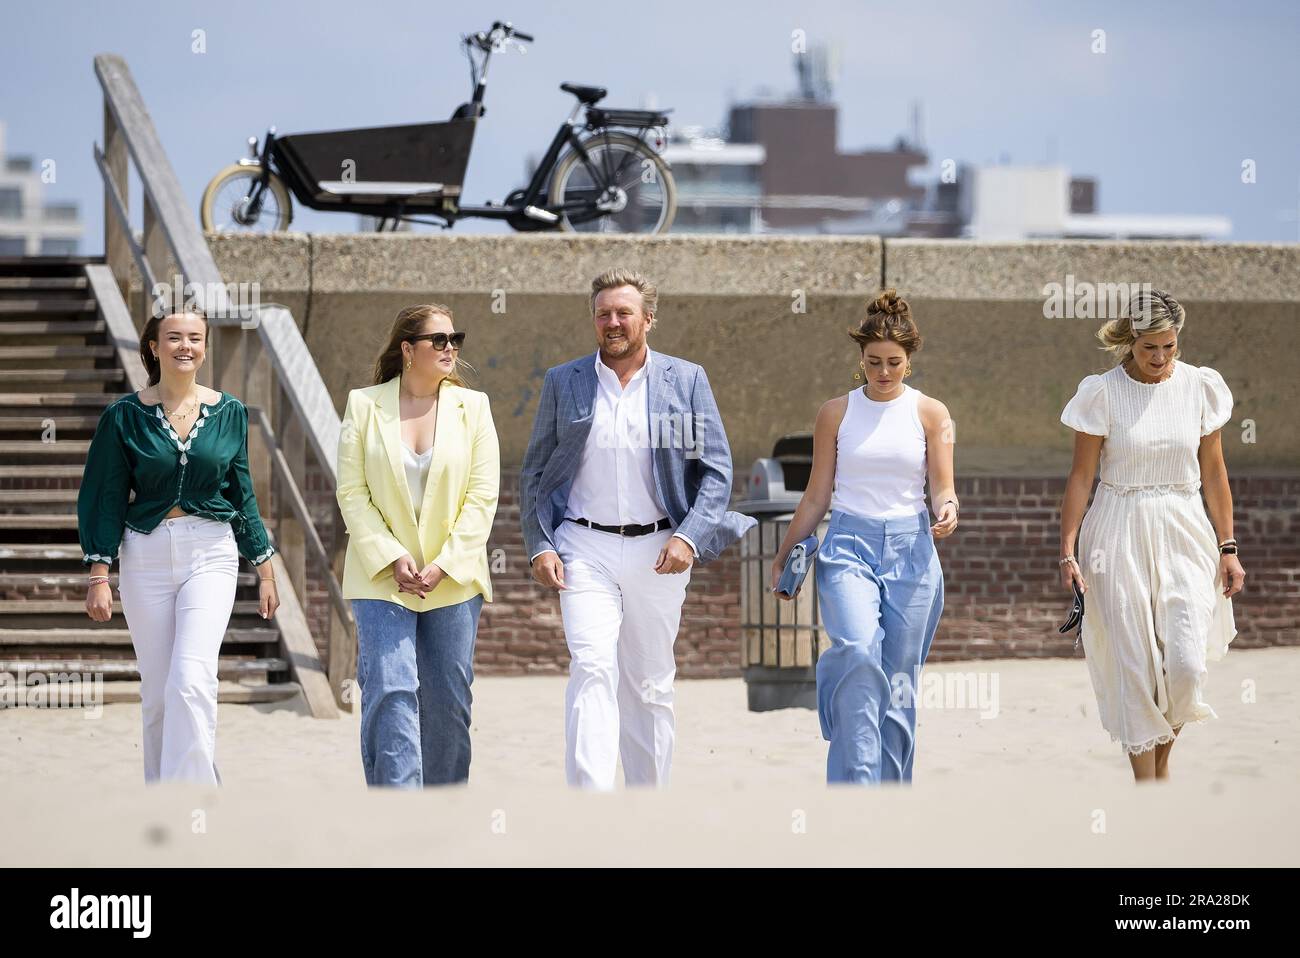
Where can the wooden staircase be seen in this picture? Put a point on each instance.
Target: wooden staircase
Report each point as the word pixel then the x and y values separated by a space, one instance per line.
pixel 59 368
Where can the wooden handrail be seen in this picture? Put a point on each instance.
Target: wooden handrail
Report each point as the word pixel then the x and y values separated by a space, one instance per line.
pixel 299 506
pixel 162 188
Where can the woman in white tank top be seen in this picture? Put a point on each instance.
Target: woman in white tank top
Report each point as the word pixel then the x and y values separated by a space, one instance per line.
pixel 879 582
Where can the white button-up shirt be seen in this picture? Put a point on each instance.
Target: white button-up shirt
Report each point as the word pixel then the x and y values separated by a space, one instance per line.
pixel 614 484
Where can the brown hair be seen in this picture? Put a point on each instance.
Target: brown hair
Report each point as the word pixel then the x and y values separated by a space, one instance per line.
pixel 889 319
pixel 1153 311
pixel 620 276
pixel 410 322
pixel 150 334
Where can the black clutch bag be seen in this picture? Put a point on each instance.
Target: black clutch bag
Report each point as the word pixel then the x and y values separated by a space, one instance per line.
pixel 1076 615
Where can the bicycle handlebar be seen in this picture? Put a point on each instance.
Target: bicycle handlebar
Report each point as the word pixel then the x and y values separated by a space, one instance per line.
pixel 510 32
pixel 496 37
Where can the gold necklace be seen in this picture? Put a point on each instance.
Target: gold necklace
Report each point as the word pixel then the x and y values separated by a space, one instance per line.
pixel 172 415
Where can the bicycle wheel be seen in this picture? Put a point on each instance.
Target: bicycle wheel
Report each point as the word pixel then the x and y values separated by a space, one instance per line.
pixel 626 187
pixel 225 203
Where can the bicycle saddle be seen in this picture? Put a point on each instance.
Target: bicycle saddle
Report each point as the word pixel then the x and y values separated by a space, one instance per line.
pixel 587 94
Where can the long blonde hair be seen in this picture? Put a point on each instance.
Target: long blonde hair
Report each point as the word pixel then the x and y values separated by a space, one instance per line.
pixel 410 322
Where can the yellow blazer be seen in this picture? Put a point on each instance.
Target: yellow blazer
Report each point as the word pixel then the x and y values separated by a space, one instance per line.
pixel 460 498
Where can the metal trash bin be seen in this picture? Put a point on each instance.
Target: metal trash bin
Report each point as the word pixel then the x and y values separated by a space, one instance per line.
pixel 780 641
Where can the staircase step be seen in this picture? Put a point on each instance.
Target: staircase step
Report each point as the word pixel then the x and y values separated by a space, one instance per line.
pixel 20 497
pixel 34 447
pixel 111 636
pixel 52 327
pixel 58 399
pixel 56 352
pixel 112 693
pixel 41 472
pixel 42 282
pixel 46 304
pixel 46 265
pixel 30 580
pixel 110 668
pixel 30 520
pixel 66 606
pixel 36 423
pixel 61 375
pixel 50 551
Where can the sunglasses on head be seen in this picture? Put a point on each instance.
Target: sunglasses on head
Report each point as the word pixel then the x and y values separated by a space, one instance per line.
pixel 440 340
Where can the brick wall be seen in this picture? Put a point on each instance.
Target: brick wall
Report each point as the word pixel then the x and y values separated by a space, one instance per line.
pixel 1003 596
pixel 1002 588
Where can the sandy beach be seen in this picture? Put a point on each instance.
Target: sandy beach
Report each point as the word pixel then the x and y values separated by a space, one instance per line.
pixel 1037 783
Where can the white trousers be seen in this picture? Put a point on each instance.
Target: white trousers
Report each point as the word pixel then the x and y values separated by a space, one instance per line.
pixel 177 586
pixel 620 623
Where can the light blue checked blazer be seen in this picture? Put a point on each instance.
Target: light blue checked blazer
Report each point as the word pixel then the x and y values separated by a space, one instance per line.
pixel 692 460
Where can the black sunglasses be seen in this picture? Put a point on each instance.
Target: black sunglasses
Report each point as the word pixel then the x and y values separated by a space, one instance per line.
pixel 440 340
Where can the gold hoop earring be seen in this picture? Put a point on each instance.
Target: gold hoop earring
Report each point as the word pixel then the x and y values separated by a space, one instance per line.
pixel 907 372
pixel 858 376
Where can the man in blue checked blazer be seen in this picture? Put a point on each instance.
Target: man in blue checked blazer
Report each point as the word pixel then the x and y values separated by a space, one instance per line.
pixel 624 487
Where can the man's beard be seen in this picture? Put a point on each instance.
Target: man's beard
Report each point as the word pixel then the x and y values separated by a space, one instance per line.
pixel 621 347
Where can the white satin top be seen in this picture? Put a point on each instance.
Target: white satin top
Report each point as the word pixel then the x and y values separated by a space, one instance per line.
pixel 417 474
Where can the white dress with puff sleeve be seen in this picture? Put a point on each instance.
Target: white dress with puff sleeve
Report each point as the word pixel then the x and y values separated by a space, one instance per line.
pixel 1155 611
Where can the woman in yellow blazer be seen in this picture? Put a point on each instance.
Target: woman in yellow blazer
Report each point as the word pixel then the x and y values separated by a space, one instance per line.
pixel 419 472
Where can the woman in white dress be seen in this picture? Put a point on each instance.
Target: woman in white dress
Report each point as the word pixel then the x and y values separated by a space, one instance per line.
pixel 1159 581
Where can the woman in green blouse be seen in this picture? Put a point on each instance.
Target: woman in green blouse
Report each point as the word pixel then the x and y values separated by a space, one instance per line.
pixel 182 450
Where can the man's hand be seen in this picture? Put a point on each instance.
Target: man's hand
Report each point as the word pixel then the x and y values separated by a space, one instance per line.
pixel 548 570
pixel 675 556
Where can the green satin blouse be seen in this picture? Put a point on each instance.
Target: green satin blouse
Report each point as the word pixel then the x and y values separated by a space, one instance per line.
pixel 138 469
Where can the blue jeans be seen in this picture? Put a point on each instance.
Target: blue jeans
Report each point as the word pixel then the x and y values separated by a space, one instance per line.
pixel 880 589
pixel 415 670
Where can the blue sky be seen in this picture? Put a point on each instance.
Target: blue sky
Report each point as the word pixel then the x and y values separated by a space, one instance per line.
pixel 1164 118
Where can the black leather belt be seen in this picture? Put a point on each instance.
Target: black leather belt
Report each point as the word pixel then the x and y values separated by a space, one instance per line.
pixel 629 530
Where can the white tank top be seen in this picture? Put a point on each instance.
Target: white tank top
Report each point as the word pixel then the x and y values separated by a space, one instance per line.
pixel 880 465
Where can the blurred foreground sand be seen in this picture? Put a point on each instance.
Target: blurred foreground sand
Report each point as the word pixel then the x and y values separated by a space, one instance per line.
pixel 1039 784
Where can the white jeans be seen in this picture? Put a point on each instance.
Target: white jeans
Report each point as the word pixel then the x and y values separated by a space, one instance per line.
pixel 177 586
pixel 620 622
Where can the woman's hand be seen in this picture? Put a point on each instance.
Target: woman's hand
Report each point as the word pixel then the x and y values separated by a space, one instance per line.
pixel 268 597
pixel 432 575
pixel 778 566
pixel 408 577
pixel 1070 574
pixel 99 602
pixel 1232 575
pixel 947 521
